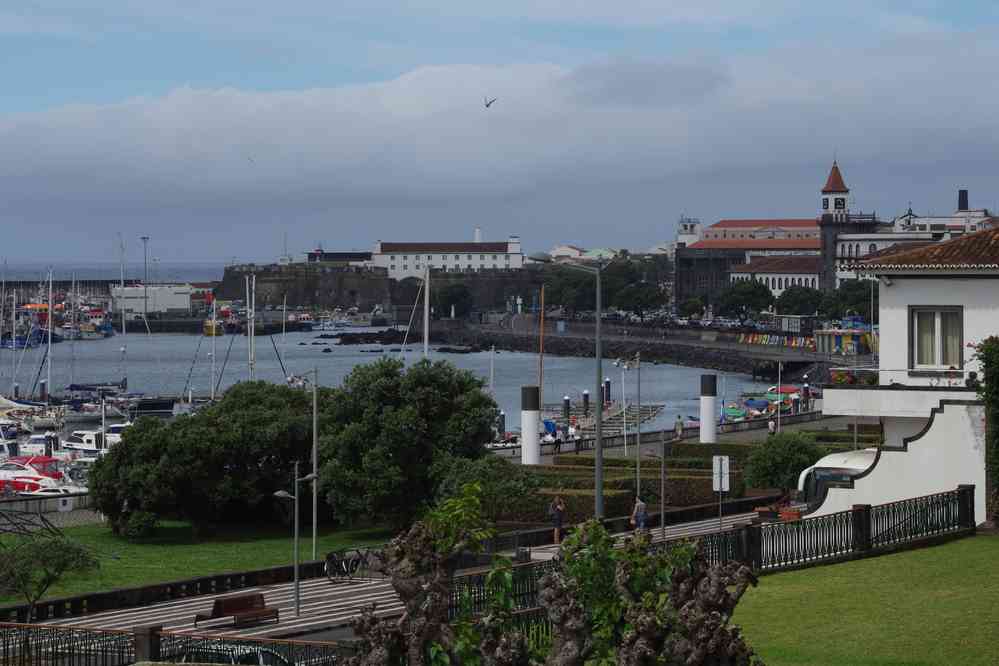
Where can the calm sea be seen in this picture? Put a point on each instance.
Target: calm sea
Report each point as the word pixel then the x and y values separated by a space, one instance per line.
pixel 173 364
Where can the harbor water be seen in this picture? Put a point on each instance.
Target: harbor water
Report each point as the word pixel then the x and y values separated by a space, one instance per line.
pixel 173 364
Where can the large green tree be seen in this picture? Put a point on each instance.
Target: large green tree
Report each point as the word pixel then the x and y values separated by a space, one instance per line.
pixel 851 297
pixel 456 294
pixel 506 489
pixel 799 300
pixel 223 463
pixel 387 426
pixel 640 297
pixel 743 298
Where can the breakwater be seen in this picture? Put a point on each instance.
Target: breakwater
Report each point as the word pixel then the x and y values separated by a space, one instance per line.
pixel 652 350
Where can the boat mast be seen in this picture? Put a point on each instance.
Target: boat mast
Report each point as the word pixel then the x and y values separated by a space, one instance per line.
pixel 284 306
pixel 48 353
pixel 13 343
pixel 214 335
pixel 426 313
pixel 72 333
pixel 124 326
pixel 249 343
pixel 253 330
pixel 3 299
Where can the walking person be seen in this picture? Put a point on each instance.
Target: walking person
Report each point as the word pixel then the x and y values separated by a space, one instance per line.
pixel 557 511
pixel 772 426
pixel 559 438
pixel 639 514
pixel 678 428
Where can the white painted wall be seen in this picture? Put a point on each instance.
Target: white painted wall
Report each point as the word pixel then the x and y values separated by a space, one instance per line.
pixel 161 298
pixel 778 282
pixel 978 296
pixel 950 453
pixel 402 265
pixel 878 402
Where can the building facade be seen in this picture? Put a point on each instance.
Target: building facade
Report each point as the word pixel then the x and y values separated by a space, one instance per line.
pixel 935 302
pixel 780 273
pixel 154 298
pixel 406 260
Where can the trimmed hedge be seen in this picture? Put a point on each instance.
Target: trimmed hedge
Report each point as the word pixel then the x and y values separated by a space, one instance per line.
pixel 838 436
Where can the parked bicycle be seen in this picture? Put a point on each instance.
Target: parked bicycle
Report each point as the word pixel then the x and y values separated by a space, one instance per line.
pixel 343 565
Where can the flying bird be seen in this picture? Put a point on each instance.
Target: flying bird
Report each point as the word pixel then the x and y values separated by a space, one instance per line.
pixel 488 102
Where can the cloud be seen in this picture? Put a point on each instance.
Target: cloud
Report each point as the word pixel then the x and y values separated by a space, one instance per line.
pixel 605 153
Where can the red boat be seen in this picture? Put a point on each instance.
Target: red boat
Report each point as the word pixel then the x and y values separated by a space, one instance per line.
pixel 29 473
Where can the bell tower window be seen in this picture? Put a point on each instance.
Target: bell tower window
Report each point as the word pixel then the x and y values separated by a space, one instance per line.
pixel 840 203
pixel 825 203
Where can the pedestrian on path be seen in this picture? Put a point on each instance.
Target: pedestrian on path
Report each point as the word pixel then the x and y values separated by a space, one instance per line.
pixel 638 514
pixel 678 427
pixel 772 426
pixel 557 511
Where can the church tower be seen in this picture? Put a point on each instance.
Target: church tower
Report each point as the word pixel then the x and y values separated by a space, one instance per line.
pixel 835 195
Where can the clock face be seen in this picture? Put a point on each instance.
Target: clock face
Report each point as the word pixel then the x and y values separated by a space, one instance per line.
pixel 825 203
pixel 840 203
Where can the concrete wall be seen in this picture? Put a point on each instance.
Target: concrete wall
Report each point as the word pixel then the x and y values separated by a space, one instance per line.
pixel 950 452
pixel 979 298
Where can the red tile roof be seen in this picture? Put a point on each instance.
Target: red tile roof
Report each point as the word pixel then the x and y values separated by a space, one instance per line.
pixel 834 183
pixel 977 251
pixel 757 224
pixel 796 265
pixel 758 244
pixel 443 248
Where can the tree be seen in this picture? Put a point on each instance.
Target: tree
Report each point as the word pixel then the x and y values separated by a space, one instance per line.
pixel 506 488
pixel 691 307
pixel 777 462
pixel 31 565
pixel 223 463
pixel 455 294
pixel 851 297
pixel 799 300
pixel 743 298
pixel 387 426
pixel 639 298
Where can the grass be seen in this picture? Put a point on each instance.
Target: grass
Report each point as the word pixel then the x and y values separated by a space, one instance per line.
pixel 935 605
pixel 173 553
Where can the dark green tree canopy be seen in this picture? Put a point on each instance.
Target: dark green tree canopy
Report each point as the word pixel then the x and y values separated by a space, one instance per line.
pixel 777 462
pixel 455 294
pixel 640 297
pixel 691 307
pixel 851 297
pixel 504 488
pixel 743 298
pixel 799 300
pixel 388 425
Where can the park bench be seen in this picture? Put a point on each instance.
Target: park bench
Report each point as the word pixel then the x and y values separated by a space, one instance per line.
pixel 243 608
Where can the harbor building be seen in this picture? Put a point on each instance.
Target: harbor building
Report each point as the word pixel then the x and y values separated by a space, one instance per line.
pixel 935 303
pixel 405 260
pixel 159 299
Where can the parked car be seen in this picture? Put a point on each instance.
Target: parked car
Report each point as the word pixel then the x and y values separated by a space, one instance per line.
pixel 234 655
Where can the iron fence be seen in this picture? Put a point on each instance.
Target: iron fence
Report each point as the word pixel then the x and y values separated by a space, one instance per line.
pixel 470 594
pixel 34 645
pixel 905 520
pixel 799 542
pixel 189 648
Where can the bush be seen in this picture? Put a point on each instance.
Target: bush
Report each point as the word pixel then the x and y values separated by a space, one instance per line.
pixel 140 524
pixel 505 488
pixel 779 462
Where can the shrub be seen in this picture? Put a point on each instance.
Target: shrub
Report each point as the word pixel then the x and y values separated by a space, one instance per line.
pixel 779 462
pixel 140 524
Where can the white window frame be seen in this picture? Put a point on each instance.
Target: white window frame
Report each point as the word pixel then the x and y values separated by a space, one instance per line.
pixel 938 341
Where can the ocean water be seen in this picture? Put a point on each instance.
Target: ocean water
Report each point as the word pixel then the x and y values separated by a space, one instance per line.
pixel 171 364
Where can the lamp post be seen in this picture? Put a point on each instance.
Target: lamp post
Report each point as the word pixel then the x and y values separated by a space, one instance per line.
pixel 145 277
pixel 315 458
pixel 636 364
pixel 598 446
pixel 285 495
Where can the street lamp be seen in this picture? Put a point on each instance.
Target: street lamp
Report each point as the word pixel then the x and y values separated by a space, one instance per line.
pixel 636 364
pixel 145 277
pixel 285 495
pixel 598 447
pixel 295 381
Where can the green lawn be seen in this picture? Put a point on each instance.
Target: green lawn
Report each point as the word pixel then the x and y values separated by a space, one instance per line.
pixel 937 605
pixel 173 553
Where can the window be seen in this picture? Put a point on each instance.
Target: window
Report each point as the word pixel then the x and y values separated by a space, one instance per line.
pixel 825 203
pixel 494 257
pixel 405 267
pixel 872 249
pixel 482 257
pixel 405 257
pixel 849 250
pixel 392 266
pixel 457 257
pixel 429 257
pixel 507 257
pixel 393 257
pixel 935 337
pixel 469 257
pixel 840 203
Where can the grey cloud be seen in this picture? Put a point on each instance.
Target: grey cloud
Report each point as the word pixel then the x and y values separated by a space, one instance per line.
pixel 586 155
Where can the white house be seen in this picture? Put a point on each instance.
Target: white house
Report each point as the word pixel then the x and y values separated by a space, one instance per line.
pixel 158 298
pixel 567 252
pixel 403 260
pixel 935 301
pixel 780 273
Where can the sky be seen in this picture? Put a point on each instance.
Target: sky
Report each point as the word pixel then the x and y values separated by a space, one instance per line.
pixel 225 129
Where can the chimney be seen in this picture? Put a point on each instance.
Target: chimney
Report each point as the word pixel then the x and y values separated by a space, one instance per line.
pixel 478 234
pixel 962 200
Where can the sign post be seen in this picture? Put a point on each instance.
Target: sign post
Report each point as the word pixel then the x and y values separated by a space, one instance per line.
pixel 719 481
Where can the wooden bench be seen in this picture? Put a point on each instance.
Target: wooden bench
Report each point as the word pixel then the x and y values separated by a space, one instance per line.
pixel 243 608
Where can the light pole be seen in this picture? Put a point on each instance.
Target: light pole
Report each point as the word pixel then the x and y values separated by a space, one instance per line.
pixel 145 277
pixel 315 458
pixel 285 495
pixel 598 445
pixel 636 364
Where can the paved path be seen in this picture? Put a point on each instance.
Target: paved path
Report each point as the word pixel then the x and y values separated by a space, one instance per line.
pixel 324 604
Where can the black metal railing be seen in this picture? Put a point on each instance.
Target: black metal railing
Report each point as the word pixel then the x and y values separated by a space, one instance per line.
pixel 187 648
pixel 470 594
pixel 905 520
pixel 800 542
pixel 31 645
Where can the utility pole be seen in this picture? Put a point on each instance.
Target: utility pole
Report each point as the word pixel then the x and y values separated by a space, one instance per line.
pixel 315 462
pixel 145 277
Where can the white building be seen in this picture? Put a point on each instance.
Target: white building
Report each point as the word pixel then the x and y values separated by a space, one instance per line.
pixel 404 260
pixel 153 298
pixel 780 273
pixel 935 301
pixel 567 253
